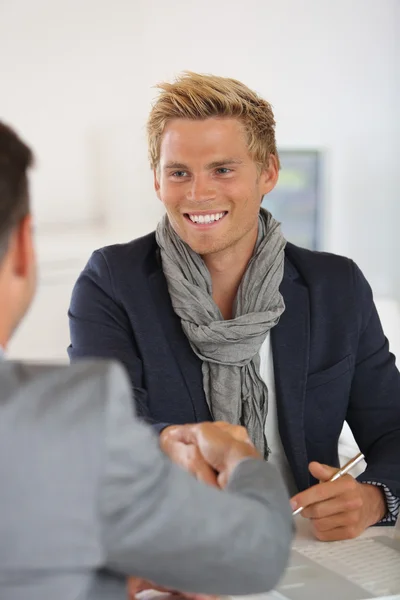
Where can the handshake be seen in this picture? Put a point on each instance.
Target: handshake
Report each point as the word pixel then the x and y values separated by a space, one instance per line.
pixel 210 452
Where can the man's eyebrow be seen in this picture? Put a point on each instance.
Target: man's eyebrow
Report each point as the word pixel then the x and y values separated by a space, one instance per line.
pixel 213 165
pixel 175 165
pixel 225 161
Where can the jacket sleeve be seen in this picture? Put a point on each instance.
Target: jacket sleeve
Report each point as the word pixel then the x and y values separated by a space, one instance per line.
pixel 374 408
pixel 100 328
pixel 161 524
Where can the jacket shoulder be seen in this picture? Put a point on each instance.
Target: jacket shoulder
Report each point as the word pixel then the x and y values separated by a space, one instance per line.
pixel 137 254
pixel 85 383
pixel 319 267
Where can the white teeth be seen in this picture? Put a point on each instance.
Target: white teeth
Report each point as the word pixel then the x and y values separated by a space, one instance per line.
pixel 206 218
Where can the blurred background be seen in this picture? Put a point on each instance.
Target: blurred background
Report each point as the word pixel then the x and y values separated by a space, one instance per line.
pixel 77 81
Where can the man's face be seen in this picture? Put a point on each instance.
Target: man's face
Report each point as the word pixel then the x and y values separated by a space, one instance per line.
pixel 210 185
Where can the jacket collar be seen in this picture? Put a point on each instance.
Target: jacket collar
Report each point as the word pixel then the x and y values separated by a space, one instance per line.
pixel 290 346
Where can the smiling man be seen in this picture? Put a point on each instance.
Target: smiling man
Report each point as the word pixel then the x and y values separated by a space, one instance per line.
pixel 215 316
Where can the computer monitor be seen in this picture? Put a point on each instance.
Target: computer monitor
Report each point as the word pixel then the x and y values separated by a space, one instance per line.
pixel 296 200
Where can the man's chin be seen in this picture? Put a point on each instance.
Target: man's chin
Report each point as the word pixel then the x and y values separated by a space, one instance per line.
pixel 204 249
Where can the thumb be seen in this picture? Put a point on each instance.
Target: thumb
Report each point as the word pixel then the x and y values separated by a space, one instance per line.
pixel 321 472
pixel 223 479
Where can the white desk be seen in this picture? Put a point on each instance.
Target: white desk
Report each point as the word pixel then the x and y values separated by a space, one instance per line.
pixel 303 537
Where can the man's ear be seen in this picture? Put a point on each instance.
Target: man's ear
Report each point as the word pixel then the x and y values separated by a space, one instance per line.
pixel 269 175
pixel 22 241
pixel 156 183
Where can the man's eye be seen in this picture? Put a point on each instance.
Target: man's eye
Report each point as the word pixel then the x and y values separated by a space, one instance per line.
pixel 179 174
pixel 224 170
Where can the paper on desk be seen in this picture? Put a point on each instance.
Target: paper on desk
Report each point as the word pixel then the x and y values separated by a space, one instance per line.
pixel 396 533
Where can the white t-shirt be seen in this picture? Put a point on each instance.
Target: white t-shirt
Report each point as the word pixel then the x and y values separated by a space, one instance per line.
pixel 277 456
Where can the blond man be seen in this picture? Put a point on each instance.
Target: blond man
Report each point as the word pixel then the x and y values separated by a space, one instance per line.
pixel 216 316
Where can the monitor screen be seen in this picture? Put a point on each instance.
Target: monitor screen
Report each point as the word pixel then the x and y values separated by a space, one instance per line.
pixel 296 200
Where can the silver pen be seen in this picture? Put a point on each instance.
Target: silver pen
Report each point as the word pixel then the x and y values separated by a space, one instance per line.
pixel 345 469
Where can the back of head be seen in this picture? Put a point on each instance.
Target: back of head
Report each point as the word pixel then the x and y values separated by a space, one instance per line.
pixel 17 280
pixel 15 160
pixel 198 97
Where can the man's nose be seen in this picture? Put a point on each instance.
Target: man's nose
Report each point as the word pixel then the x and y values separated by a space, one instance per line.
pixel 201 189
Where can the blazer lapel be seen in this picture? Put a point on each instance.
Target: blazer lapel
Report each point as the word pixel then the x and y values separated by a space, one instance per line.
pixel 290 346
pixel 187 361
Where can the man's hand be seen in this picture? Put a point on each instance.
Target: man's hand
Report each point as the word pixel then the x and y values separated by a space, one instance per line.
pixel 340 509
pixel 137 585
pixel 186 455
pixel 209 450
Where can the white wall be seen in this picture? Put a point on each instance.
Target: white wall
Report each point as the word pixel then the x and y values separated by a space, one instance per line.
pixel 77 77
pixel 396 128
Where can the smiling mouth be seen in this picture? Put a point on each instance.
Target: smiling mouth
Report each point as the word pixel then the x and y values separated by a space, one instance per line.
pixel 205 218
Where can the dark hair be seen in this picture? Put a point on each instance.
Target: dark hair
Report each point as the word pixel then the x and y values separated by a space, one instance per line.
pixel 15 160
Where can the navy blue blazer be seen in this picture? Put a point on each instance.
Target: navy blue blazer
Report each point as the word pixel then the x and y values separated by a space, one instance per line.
pixel 331 359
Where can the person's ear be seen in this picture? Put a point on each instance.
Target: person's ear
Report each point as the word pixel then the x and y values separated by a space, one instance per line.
pixel 24 255
pixel 269 175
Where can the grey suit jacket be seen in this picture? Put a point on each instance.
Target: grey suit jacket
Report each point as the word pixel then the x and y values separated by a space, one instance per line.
pixel 87 498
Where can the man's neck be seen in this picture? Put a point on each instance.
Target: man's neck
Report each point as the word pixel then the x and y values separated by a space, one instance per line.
pixel 227 269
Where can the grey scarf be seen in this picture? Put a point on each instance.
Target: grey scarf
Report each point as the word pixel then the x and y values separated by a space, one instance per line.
pixel 229 349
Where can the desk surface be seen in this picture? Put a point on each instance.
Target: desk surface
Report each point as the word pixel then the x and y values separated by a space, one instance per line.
pixel 303 537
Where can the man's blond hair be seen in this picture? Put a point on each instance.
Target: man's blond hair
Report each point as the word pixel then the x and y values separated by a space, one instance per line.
pixel 197 97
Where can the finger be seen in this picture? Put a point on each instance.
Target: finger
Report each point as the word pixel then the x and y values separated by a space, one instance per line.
pixel 350 519
pixel 343 503
pixel 205 473
pixel 337 534
pixel 137 584
pixel 181 433
pixel 321 472
pixel 179 452
pixel 223 479
pixel 323 491
pixel 195 464
pixel 186 434
pixel 189 458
